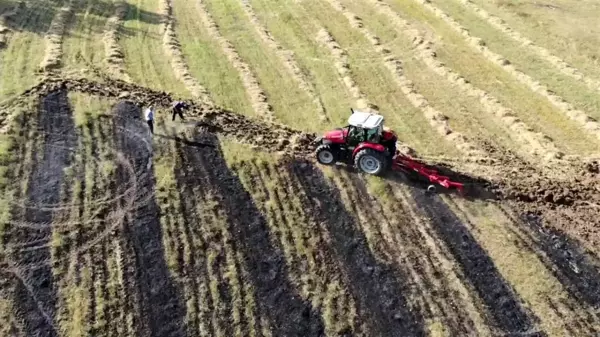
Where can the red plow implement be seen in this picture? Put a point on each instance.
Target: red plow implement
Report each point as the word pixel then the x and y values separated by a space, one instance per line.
pixel 413 167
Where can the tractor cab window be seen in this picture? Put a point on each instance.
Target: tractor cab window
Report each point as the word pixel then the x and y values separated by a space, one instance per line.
pixel 356 135
pixel 373 135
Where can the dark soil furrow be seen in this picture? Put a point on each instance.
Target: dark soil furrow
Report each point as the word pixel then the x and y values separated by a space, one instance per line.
pixel 162 311
pixel 375 286
pixel 505 309
pixel 274 293
pixel 36 293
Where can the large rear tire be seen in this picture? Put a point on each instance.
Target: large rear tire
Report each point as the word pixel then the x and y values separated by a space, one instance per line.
pixel 370 161
pixel 326 155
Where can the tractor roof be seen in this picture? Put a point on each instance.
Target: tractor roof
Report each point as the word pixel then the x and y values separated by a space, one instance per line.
pixel 365 120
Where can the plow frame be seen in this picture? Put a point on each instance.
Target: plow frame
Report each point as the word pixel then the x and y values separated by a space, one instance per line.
pixel 409 165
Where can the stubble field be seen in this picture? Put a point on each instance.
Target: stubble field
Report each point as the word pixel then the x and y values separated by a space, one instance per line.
pixel 225 225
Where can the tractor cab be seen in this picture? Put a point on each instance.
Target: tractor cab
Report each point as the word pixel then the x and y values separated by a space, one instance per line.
pixel 364 127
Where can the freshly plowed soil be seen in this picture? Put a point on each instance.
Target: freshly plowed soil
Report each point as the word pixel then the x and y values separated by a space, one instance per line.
pixel 205 257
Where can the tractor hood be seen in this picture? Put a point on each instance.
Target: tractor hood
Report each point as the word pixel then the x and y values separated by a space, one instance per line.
pixel 336 136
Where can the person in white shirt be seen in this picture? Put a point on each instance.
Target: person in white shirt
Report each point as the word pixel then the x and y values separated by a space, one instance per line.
pixel 150 118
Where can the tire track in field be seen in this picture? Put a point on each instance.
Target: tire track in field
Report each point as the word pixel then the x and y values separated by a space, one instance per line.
pixel 436 119
pixel 375 286
pixel 539 144
pixel 257 95
pixel 54 39
pixel 172 48
pixel 542 52
pixel 114 57
pixel 287 58
pixel 36 296
pixel 160 312
pixel 589 124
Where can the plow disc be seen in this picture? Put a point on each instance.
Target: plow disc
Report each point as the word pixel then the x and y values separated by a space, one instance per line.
pixel 414 167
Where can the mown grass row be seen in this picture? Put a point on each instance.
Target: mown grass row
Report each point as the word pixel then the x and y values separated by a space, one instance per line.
pixel 532 108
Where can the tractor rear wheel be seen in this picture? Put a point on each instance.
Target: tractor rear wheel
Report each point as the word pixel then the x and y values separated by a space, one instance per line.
pixel 326 155
pixel 371 162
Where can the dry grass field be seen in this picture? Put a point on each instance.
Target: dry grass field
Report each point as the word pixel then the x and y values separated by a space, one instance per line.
pixel 225 225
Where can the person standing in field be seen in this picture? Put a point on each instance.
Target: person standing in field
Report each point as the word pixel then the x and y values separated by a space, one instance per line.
pixel 178 107
pixel 150 118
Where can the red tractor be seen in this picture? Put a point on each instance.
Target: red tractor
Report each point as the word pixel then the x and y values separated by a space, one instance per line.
pixel 363 142
pixel 366 144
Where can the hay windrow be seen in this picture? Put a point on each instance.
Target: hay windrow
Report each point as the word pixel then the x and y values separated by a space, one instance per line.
pixel 114 56
pixel 537 143
pixel 257 95
pixel 173 49
pixel 287 58
pixel 54 39
pixel 542 52
pixel 586 122
pixel 342 65
pixel 436 119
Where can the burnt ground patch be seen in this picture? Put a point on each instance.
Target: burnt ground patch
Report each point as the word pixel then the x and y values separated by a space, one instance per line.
pixel 377 289
pixel 503 305
pixel 274 293
pixel 161 305
pixel 35 291
pixel 576 269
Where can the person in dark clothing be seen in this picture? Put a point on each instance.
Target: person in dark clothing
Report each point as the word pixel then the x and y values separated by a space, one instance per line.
pixel 178 107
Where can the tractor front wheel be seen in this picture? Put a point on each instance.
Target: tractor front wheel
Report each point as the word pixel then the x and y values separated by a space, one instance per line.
pixel 326 155
pixel 370 161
